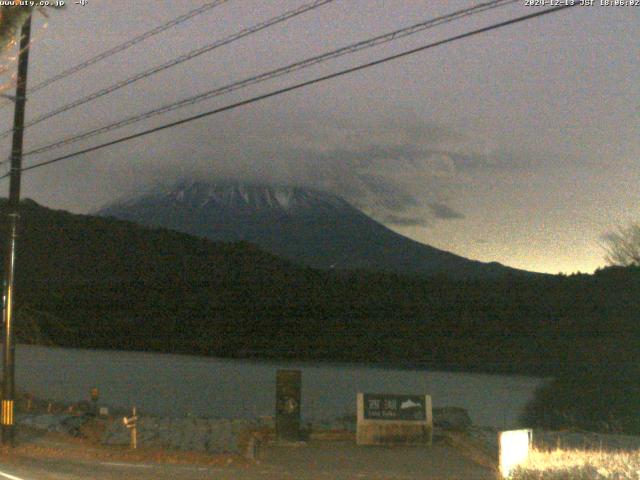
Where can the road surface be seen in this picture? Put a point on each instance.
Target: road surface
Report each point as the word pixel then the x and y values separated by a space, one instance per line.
pixel 313 461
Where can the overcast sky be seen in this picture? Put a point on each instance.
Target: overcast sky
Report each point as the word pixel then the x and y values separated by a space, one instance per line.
pixel 521 145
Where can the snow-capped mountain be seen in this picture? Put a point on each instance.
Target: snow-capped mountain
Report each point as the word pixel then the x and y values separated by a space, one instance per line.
pixel 304 225
pixel 244 197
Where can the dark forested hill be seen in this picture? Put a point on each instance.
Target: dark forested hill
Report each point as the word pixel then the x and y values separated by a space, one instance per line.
pixel 87 281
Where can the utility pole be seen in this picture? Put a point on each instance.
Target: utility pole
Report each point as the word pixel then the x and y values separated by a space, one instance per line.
pixel 13 207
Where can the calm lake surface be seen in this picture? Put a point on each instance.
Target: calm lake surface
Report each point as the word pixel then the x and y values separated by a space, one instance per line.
pixel 177 385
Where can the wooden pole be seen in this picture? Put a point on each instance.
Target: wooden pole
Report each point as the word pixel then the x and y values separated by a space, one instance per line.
pixel 13 216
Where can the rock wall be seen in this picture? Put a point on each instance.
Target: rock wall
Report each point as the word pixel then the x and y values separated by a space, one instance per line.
pixel 187 434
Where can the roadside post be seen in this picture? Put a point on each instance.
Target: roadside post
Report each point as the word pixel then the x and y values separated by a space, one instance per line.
pixel 132 424
pixel 288 398
pixel 390 419
pixel 515 446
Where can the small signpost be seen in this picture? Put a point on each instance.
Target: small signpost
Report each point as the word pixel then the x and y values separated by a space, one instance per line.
pixel 385 419
pixel 132 424
pixel 288 397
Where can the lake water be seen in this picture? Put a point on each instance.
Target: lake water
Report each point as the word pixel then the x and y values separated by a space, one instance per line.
pixel 176 385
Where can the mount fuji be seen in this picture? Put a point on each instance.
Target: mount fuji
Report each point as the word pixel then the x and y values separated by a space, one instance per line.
pixel 307 226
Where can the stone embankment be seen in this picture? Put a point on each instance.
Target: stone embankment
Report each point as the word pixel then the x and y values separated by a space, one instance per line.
pixel 181 434
pixel 53 422
pixel 207 435
pixel 185 434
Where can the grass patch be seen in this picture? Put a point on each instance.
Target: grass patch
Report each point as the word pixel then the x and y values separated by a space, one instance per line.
pixel 564 464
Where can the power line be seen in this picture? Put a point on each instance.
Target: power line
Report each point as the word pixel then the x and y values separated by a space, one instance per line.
pixel 300 85
pixel 123 46
pixel 176 61
pixel 355 47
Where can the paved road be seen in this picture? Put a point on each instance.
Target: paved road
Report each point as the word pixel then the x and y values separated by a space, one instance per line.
pixel 314 461
pixel 344 460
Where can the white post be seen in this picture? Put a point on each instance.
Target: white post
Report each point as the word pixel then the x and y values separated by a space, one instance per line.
pixel 514 449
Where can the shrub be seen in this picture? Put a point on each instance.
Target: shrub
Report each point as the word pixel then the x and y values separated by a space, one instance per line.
pixel 602 399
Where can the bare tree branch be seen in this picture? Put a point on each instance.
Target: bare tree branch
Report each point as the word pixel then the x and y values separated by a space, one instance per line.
pixel 623 246
pixel 11 20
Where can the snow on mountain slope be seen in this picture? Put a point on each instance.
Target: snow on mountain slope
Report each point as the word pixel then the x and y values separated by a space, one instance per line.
pixel 235 195
pixel 302 224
